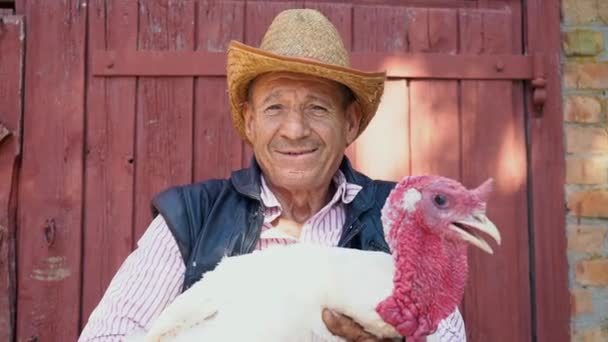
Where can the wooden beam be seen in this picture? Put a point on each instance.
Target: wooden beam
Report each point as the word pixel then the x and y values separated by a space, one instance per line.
pixel 550 296
pixel 410 65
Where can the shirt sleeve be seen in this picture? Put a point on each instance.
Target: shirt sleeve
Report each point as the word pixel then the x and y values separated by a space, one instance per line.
pixel 149 279
pixel 451 329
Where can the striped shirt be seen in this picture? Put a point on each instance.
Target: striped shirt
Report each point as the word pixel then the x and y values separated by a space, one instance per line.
pixel 152 276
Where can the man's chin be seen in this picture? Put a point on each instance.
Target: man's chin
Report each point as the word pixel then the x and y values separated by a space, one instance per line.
pixel 298 180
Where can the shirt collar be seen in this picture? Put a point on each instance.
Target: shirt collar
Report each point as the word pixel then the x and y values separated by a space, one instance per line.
pixel 339 180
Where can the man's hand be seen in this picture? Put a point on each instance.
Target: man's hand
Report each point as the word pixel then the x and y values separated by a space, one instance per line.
pixel 345 327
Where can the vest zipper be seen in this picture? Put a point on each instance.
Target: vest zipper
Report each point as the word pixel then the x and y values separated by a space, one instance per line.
pixel 351 231
pixel 257 219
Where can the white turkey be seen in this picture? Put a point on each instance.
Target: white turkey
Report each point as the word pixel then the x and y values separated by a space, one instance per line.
pixel 278 294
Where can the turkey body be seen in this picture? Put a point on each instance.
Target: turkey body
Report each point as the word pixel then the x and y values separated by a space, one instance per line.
pixel 278 294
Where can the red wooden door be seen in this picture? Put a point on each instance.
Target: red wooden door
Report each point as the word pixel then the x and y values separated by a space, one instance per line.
pixel 465 129
pixel 139 103
pixel 11 60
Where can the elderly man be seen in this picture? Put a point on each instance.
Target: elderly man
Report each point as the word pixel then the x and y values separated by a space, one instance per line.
pixel 299 105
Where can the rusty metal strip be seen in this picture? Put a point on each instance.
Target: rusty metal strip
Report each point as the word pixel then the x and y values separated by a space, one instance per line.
pixel 410 66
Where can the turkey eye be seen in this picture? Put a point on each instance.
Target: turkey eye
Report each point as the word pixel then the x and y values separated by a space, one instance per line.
pixel 440 200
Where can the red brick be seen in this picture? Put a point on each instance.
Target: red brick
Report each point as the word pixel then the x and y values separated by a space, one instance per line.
pixel 586 139
pixel 589 203
pixel 581 302
pixel 592 272
pixel 586 171
pixel 582 42
pixel 579 11
pixel 586 239
pixel 603 10
pixel 586 75
pixel 584 109
pixel 590 335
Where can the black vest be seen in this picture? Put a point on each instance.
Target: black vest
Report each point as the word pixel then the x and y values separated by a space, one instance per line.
pixel 218 218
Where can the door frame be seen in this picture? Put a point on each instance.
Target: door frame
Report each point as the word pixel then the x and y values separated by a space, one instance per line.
pixel 546 164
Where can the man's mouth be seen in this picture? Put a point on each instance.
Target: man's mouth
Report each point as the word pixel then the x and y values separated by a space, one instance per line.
pixel 298 152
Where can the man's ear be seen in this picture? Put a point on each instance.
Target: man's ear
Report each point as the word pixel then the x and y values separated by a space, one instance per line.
pixel 248 119
pixel 353 121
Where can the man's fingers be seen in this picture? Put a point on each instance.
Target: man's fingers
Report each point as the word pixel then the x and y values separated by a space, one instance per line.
pixel 341 325
pixel 345 327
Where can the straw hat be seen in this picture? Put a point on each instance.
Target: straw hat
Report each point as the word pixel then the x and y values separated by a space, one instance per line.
pixel 302 41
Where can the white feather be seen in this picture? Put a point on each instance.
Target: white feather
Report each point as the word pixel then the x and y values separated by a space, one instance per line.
pixel 278 295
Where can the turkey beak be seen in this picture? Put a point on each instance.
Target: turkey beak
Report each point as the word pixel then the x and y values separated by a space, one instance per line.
pixel 469 228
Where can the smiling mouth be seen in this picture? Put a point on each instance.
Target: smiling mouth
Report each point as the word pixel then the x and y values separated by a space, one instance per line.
pixel 297 153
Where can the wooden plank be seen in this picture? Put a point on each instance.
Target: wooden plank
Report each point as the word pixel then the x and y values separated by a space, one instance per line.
pixel 11 110
pixel 493 145
pixel 109 176
pixel 382 151
pixel 435 122
pixel 379 29
pixel 219 22
pixel 551 295
pixel 164 108
pixel 218 149
pixel 20 6
pixel 51 179
pixel 408 3
pixel 158 63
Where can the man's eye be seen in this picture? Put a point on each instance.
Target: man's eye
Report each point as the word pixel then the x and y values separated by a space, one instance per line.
pixel 318 109
pixel 273 108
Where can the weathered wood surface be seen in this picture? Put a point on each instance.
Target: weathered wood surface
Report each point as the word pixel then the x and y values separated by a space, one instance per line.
pixel 110 153
pixel 164 129
pixel 217 147
pixel 493 145
pixel 11 66
pixel 467 130
pixel 98 153
pixel 51 178
pixel 435 113
pixel 547 173
pixel 383 150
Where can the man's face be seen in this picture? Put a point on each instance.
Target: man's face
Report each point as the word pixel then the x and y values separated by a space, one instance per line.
pixel 299 127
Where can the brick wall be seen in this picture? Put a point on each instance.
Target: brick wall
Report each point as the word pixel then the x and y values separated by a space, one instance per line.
pixel 585 58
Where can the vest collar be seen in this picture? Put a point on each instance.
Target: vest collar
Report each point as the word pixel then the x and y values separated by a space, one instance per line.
pixel 247 183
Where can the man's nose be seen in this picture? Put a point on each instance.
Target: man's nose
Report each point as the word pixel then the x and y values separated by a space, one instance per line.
pixel 296 125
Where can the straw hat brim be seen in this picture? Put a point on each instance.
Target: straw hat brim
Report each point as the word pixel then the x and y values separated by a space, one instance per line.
pixel 245 63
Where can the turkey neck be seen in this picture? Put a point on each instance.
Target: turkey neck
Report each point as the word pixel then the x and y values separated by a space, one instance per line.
pixel 430 273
